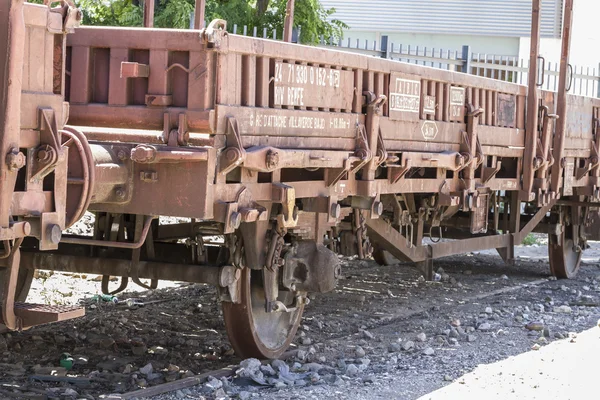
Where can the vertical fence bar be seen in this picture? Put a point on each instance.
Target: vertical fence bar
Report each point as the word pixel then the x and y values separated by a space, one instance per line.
pixel 598 82
pixel 385 50
pixel 466 59
pixel 587 82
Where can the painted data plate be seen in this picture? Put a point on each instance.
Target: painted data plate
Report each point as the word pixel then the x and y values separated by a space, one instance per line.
pixel 429 105
pixel 272 122
pixel 457 104
pixel 507 110
pixel 405 97
pixel 429 129
pixel 298 85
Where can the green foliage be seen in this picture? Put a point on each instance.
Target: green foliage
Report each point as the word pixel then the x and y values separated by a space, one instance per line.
pixel 108 12
pixel 529 240
pixel 314 19
pixel 174 14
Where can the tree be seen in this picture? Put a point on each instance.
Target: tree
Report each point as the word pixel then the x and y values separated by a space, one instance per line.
pixel 108 13
pixel 314 19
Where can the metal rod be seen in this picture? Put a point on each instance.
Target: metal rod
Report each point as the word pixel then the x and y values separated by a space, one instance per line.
pixel 116 267
pixel 199 14
pixel 106 243
pixel 576 203
pixel 531 127
pixel 149 13
pixel 561 101
pixel 289 21
pixel 139 136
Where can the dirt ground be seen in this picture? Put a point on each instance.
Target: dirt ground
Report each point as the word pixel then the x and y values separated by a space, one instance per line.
pixel 383 333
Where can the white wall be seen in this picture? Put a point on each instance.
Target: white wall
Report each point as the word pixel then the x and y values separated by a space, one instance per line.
pixel 585 38
pixel 549 49
pixel 503 46
pixel 585 42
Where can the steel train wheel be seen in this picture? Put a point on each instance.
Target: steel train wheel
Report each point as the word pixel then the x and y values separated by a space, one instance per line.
pixel 252 331
pixel 564 259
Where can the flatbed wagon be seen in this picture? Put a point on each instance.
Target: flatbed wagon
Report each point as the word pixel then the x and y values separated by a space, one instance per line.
pixel 276 158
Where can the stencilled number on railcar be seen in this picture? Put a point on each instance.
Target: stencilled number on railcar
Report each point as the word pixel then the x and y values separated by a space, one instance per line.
pixel 406 96
pixel 311 86
pixel 301 121
pixel 457 103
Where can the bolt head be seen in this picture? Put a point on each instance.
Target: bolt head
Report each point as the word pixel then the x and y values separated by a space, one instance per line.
pixel 232 154
pixel 378 208
pixel 54 233
pixel 335 210
pixel 27 229
pixel 235 219
pixel 15 160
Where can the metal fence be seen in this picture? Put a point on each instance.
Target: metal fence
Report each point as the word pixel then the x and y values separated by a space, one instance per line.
pixel 585 80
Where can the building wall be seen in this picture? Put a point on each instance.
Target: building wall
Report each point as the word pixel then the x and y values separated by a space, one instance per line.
pixel 500 27
pixel 585 43
pixel 585 38
pixel 505 18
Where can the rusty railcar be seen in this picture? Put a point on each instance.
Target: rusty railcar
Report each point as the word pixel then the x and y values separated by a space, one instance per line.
pixel 289 154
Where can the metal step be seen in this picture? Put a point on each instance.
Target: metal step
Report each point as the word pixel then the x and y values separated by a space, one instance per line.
pixel 39 314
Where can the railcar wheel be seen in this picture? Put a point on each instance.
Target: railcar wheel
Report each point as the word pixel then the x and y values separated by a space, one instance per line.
pixel 252 331
pixel 565 259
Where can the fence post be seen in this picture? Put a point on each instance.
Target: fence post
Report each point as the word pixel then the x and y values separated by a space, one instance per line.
pixel 466 59
pixel 598 79
pixel 385 48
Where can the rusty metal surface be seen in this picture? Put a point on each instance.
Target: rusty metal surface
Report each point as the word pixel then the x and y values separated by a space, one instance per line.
pixel 37 314
pixel 259 140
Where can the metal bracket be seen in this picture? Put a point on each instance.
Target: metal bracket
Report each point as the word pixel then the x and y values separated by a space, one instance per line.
pixel 473 162
pixel 362 155
pixel 382 154
pixel 47 154
pixel 543 151
pixel 589 163
pixel 489 172
pixel 214 33
pixel 134 70
pixel 398 172
pixel 71 15
pixel 234 155
pixel 286 195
